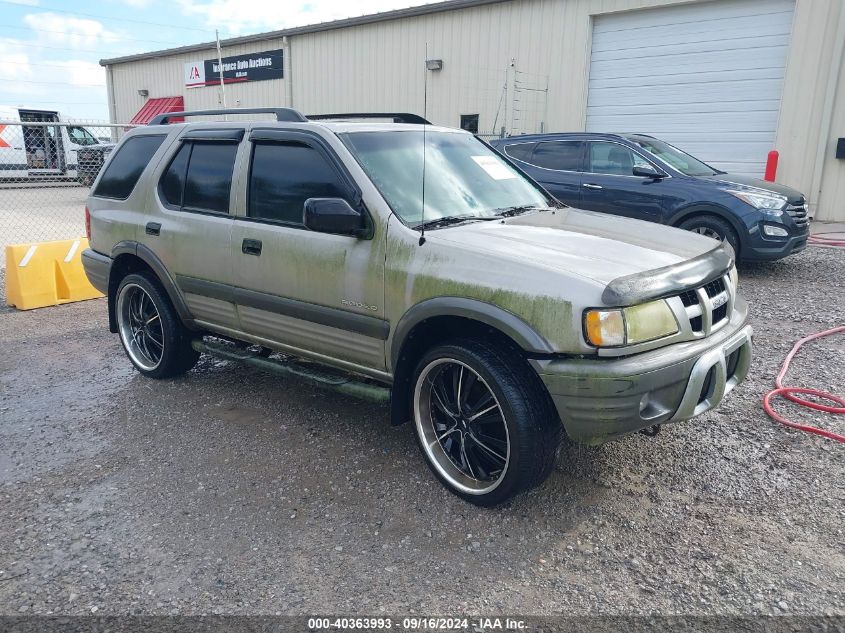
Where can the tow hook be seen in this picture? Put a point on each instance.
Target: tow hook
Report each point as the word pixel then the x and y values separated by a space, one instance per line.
pixel 651 431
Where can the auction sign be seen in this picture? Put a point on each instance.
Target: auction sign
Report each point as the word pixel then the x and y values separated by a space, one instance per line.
pixel 236 69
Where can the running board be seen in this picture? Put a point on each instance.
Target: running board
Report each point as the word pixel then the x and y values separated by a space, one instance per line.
pixel 347 385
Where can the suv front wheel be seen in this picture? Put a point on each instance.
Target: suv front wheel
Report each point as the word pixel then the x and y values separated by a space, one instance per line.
pixel 152 335
pixel 484 422
pixel 714 227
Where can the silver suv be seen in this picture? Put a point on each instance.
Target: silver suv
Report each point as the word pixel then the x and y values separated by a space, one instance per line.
pixel 425 268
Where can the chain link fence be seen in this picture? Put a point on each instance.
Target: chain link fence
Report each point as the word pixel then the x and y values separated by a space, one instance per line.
pixel 46 169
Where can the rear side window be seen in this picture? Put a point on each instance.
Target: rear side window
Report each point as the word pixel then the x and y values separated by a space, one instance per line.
pixel 284 175
pixel 127 165
pixel 199 178
pixel 520 151
pixel 559 155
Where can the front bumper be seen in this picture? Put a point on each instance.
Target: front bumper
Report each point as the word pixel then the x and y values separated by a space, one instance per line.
pixel 762 248
pixel 598 399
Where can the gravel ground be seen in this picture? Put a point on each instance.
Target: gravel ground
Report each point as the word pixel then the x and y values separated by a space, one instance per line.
pixel 232 491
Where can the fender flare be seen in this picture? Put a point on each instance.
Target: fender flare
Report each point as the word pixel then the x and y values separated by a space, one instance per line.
pixel 506 322
pixel 145 254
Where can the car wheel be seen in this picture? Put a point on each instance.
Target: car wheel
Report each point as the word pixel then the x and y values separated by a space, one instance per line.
pixel 484 422
pixel 713 227
pixel 152 335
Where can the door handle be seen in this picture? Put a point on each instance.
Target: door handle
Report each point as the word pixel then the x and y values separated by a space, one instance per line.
pixel 251 247
pixel 153 228
pixel 589 185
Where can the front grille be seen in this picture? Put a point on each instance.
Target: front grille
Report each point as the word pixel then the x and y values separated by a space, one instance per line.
pixel 715 287
pixel 714 296
pixel 798 213
pixel 689 298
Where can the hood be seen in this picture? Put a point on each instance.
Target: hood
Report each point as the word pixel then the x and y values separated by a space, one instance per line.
pixel 593 245
pixel 793 196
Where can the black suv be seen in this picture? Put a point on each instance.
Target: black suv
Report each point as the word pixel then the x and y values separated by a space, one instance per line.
pixel 642 177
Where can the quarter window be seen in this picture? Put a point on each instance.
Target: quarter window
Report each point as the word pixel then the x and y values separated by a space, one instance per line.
pixel 520 151
pixel 614 159
pixel 127 165
pixel 199 178
pixel 284 175
pixel 558 155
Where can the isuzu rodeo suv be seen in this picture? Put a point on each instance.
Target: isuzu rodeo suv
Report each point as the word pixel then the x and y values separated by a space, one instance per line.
pixel 417 266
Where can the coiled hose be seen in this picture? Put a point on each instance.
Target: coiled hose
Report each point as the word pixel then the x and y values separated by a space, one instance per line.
pixel 791 393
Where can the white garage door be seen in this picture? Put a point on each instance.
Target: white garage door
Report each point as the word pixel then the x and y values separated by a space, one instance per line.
pixel 705 77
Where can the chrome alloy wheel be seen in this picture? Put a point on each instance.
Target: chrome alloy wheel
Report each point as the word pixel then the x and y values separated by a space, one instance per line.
pixel 140 327
pixel 461 426
pixel 708 232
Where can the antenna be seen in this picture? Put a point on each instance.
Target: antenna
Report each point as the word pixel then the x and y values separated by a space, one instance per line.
pixel 425 116
pixel 220 68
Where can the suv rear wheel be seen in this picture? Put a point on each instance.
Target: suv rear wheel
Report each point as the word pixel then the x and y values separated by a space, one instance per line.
pixel 152 335
pixel 714 227
pixel 484 423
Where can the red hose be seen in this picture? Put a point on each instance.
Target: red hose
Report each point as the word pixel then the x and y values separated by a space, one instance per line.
pixel 822 239
pixel 790 393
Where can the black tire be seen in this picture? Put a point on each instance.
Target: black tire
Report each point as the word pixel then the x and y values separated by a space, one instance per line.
pixel 174 355
pixel 532 429
pixel 712 226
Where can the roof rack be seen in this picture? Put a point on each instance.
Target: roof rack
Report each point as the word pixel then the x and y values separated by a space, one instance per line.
pixel 282 114
pixel 398 117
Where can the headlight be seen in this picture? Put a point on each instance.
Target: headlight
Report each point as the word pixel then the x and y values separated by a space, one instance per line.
pixel 767 202
pixel 628 326
pixel 733 276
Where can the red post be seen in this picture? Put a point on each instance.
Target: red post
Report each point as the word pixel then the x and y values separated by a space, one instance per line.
pixel 772 166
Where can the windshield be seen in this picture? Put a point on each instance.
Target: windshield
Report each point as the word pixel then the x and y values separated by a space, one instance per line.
pixel 463 177
pixel 683 162
pixel 81 136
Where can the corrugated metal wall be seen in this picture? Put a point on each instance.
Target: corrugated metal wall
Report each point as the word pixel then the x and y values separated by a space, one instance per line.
pixel 498 60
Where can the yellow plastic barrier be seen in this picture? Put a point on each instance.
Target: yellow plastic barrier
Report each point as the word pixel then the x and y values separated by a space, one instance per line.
pixel 47 274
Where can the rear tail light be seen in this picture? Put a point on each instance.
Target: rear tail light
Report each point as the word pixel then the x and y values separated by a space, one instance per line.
pixel 87 223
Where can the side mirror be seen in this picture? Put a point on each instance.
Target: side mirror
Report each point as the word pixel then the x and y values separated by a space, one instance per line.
pixel 334 215
pixel 648 172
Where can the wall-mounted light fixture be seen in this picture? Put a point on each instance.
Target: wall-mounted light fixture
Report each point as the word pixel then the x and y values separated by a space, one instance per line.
pixel 144 92
pixel 434 64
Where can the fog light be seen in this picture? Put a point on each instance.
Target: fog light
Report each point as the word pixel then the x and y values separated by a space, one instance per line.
pixel 644 401
pixel 774 231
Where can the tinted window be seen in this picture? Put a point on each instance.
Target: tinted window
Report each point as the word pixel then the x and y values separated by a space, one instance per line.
pixel 127 165
pixel 173 181
pixel 284 176
pixel 520 151
pixel 614 159
pixel 209 178
pixel 560 155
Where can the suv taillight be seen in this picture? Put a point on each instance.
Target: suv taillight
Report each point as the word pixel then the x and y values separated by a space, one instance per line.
pixel 87 224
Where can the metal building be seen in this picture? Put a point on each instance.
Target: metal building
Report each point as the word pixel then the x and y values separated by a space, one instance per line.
pixel 726 80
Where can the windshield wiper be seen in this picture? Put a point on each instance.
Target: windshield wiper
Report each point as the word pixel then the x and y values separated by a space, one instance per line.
pixel 449 220
pixel 506 212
